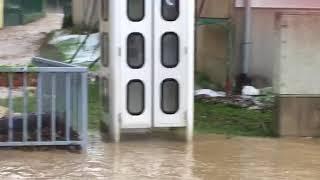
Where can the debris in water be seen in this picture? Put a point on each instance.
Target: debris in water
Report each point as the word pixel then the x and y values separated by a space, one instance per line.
pixel 68 44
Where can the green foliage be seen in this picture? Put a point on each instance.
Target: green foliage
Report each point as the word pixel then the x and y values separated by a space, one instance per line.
pixel 224 119
pixel 95 68
pixel 18 104
pixel 95 106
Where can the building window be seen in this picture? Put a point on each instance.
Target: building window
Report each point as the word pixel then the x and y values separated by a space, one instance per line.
pixel 135 50
pixel 170 96
pixel 135 97
pixel 170 50
pixel 170 10
pixel 136 10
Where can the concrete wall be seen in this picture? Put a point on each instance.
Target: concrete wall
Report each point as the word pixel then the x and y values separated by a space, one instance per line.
pixel 78 13
pixel 298 63
pixel 298 116
pixel 296 74
pixel 265 50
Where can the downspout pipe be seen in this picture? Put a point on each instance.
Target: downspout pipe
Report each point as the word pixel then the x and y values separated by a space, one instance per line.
pixel 247 42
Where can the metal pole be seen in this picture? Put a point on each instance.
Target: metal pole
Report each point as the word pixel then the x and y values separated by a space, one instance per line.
pixel 39 103
pixel 11 111
pixel 68 106
pixel 53 106
pixel 25 107
pixel 84 110
pixel 247 43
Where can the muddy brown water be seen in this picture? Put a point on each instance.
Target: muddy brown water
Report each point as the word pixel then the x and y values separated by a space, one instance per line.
pixel 209 157
pixel 20 43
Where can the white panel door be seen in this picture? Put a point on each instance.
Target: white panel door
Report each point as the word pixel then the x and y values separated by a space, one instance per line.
pixel 136 63
pixel 299 55
pixel 172 62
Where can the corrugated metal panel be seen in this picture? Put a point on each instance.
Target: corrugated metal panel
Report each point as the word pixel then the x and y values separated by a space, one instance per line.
pixel 283 4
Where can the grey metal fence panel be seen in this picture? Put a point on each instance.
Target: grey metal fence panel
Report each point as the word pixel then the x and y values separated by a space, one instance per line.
pixel 61 113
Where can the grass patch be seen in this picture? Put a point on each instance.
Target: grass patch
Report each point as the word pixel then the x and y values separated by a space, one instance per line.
pixel 224 119
pixel 95 68
pixel 95 107
pixel 67 46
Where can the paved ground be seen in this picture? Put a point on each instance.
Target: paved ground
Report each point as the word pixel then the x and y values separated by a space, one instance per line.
pixel 19 44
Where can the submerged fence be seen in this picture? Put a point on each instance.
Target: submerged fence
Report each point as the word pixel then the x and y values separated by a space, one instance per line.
pixel 46 105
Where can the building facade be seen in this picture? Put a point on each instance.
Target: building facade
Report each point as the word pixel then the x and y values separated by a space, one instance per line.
pixel 213 58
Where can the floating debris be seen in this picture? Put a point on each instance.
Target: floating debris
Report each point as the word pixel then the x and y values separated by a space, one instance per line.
pixel 265 100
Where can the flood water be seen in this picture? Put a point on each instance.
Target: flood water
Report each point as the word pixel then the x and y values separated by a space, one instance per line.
pixel 209 157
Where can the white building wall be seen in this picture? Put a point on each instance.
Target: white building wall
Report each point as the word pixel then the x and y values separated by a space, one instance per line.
pixel 265 47
pixel 298 64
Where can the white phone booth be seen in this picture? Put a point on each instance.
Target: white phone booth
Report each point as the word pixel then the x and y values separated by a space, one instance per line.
pixel 148 48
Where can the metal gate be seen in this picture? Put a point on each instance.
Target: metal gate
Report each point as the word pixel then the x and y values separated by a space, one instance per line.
pixel 47 105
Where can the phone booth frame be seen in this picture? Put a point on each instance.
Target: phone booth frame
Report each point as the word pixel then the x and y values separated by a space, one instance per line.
pixel 167 92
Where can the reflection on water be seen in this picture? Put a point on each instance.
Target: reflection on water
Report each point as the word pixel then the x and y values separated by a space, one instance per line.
pixel 209 157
